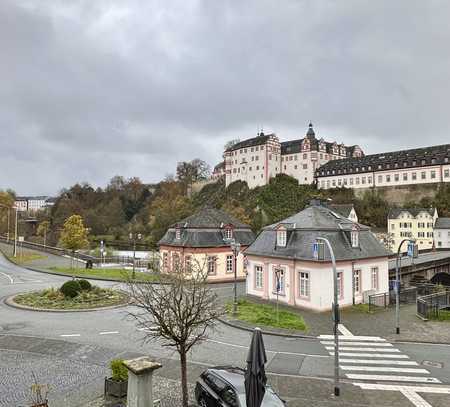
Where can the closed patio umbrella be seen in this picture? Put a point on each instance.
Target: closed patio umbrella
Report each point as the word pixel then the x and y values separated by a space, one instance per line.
pixel 255 375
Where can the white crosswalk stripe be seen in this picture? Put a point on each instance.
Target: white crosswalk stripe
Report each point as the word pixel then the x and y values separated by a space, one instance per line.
pixel 373 359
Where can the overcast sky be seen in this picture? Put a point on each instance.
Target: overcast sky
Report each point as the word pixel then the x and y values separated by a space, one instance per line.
pixel 91 89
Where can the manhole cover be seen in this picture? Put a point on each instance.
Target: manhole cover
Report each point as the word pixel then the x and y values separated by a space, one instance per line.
pixel 430 363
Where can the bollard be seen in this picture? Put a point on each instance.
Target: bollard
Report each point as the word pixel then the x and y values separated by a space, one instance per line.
pixel 140 376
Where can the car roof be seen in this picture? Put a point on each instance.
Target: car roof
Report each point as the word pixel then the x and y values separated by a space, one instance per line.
pixel 233 375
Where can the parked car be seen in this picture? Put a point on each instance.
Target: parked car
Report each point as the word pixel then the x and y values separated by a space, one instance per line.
pixel 224 387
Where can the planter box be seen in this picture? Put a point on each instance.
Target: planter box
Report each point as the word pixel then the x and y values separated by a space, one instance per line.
pixel 114 388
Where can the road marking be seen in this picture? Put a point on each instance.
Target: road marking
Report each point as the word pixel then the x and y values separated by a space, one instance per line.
pixel 414 398
pixel 354 338
pixel 69 335
pixel 109 333
pixel 8 276
pixel 267 350
pixel 344 348
pixel 410 392
pixel 343 330
pixel 379 362
pixel 393 387
pixel 385 369
pixel 345 343
pixel 371 355
pixel 376 377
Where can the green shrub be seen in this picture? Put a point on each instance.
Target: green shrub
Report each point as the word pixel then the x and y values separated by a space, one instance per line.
pixel 70 289
pixel 119 371
pixel 85 285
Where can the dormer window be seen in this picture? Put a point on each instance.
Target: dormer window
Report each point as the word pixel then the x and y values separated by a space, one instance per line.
pixel 178 233
pixel 281 237
pixel 228 233
pixel 354 234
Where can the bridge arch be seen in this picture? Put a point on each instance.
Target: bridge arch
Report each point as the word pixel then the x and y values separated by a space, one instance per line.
pixel 441 278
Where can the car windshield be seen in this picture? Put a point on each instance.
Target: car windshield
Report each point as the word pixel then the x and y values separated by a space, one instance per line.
pixel 270 399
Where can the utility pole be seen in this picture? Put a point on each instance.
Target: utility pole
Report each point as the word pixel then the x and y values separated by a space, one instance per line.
pixel 133 237
pixel 15 235
pixel 235 248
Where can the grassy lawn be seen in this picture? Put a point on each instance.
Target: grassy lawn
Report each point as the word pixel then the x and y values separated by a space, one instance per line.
pixel 266 315
pixel 115 274
pixel 52 298
pixel 443 316
pixel 26 257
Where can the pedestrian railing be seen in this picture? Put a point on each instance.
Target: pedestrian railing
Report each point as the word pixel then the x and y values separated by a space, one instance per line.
pixel 377 301
pixel 123 260
pixel 431 305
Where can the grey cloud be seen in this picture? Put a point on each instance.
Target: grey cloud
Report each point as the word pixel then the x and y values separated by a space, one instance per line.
pixel 93 89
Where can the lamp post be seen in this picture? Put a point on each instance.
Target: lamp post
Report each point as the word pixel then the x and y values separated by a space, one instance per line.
pixel 319 254
pixel 235 248
pixel 412 252
pixel 134 237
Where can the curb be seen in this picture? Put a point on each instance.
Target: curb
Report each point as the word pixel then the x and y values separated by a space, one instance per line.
pixel 9 301
pixel 265 332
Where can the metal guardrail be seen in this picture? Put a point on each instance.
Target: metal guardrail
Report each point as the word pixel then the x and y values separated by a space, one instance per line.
pixel 429 306
pixel 123 260
pixel 378 301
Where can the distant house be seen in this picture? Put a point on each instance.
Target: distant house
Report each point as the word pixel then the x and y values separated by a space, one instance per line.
pixel 219 171
pixel 346 210
pixel 442 233
pixel 285 249
pixel 417 223
pixel 31 203
pixel 204 239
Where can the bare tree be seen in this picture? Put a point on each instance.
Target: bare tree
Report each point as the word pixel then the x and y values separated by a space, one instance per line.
pixel 179 311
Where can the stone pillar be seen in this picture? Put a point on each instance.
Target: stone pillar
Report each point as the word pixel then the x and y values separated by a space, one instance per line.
pixel 266 281
pixel 140 375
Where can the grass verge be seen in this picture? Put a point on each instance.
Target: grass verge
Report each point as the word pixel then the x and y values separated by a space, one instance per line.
pixel 52 298
pixel 114 274
pixel 266 315
pixel 24 258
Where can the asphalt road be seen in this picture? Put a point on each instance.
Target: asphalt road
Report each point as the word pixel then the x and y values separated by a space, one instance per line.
pixel 114 329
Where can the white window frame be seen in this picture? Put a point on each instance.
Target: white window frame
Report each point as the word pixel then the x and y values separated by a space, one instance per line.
pixel 212 265
pixel 304 284
pixel 281 237
pixel 229 263
pixel 229 233
pixel 355 238
pixel 357 281
pixel 259 276
pixel 374 271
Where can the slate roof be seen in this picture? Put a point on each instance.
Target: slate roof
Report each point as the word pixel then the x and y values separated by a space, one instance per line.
pixel 442 223
pixel 317 221
pixel 206 228
pixel 295 146
pixel 255 141
pixel 219 166
pixel 342 209
pixel 395 212
pixel 418 157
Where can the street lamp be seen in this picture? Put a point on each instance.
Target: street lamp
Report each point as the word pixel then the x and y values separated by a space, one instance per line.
pixel 134 237
pixel 412 252
pixel 235 248
pixel 319 254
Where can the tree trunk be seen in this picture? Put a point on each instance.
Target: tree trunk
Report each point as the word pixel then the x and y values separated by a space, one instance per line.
pixel 184 384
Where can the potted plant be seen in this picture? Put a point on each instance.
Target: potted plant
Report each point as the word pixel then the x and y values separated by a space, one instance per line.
pixel 117 384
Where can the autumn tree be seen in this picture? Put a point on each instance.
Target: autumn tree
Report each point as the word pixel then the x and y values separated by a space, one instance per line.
pixel 74 234
pixel 192 171
pixel 178 312
pixel 43 229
